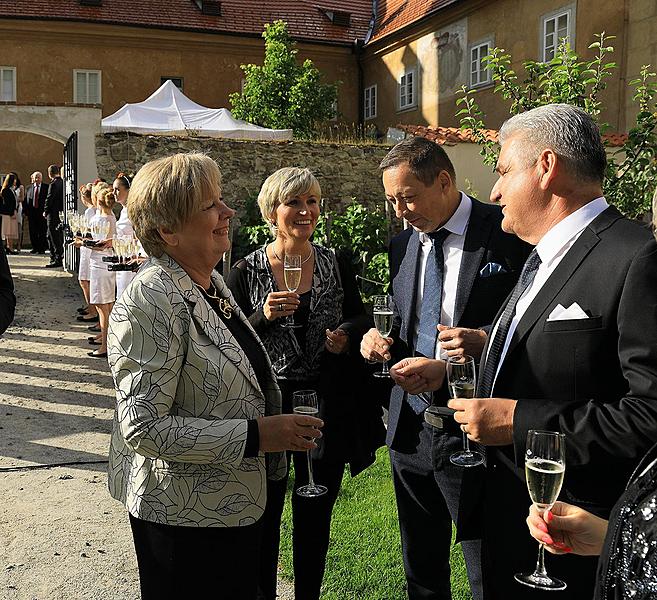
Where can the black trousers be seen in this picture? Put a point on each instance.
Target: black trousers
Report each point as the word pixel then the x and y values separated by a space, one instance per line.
pixel 311 518
pixel 55 238
pixel 204 563
pixel 38 230
pixel 427 488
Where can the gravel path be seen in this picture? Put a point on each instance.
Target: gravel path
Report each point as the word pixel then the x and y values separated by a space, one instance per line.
pixel 61 535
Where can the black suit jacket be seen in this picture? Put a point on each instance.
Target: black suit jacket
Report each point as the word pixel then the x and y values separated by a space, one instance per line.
pixel 593 379
pixel 7 202
pixel 55 198
pixel 29 197
pixel 477 299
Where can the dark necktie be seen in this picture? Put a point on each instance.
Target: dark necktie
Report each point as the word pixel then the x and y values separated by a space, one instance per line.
pixel 36 196
pixel 487 377
pixel 432 296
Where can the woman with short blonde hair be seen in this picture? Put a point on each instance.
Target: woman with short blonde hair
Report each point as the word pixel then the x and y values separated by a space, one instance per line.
pixel 329 320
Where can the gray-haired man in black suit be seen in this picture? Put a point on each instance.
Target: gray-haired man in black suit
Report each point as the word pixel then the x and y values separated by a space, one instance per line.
pixel 453 268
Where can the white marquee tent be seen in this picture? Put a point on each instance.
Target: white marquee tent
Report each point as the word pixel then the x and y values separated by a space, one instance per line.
pixel 168 110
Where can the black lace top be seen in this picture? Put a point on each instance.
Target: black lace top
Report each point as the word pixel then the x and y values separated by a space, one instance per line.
pixel 628 564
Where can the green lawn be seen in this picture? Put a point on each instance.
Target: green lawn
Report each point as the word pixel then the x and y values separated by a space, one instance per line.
pixel 364 560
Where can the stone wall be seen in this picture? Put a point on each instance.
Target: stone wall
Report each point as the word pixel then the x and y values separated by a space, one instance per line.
pixel 344 171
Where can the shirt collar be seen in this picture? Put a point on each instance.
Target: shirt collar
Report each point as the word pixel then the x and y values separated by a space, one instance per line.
pixel 457 223
pixel 554 241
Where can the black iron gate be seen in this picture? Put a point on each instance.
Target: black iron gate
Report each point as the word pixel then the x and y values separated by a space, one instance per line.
pixel 71 254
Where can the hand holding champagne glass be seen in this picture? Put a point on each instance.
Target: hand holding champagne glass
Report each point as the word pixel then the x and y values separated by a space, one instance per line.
pixel 292 273
pixel 305 403
pixel 382 311
pixel 462 381
pixel 545 465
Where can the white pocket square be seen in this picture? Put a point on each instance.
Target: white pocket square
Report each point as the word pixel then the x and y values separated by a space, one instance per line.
pixel 574 311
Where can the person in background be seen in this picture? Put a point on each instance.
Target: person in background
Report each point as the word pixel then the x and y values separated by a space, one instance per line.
pixel 84 275
pixel 449 273
pixel 53 206
pixel 321 354
pixel 197 430
pixel 102 285
pixel 35 200
pixel 19 190
pixel 7 297
pixel 121 188
pixel 8 210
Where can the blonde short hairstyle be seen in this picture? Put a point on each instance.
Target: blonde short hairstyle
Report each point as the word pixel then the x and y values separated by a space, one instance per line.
pixel 282 185
pixel 167 192
pixel 97 188
pixel 105 198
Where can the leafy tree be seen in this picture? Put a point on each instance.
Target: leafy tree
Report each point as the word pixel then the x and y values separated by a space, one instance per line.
pixel 281 93
pixel 632 169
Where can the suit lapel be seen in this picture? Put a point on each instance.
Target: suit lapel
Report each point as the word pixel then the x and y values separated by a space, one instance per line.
pixel 473 251
pixel 405 284
pixel 562 274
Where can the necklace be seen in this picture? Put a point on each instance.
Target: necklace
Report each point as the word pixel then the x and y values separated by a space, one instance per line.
pixel 224 305
pixel 303 262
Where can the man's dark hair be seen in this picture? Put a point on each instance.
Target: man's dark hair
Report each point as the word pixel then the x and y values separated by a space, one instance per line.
pixel 425 158
pixel 53 171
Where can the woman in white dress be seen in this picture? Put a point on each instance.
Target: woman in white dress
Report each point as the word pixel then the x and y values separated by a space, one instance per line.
pixel 121 187
pixel 102 287
pixel 85 253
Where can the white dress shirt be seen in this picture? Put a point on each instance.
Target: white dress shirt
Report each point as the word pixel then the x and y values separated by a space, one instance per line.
pixel 554 245
pixel 457 225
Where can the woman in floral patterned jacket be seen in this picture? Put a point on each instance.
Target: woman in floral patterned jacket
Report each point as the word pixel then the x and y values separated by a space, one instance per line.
pixel 197 402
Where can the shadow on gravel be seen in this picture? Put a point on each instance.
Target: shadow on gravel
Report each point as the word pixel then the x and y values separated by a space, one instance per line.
pixel 43 394
pixel 61 361
pixel 61 374
pixel 36 436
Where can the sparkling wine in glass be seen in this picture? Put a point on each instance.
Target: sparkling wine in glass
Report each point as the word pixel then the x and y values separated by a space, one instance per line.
pixel 304 402
pixel 292 274
pixel 382 311
pixel 462 381
pixel 545 465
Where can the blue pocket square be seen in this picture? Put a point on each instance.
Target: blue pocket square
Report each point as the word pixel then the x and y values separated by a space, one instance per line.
pixel 492 269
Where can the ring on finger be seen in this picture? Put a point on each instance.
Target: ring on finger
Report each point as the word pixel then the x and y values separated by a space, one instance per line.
pixel 281 307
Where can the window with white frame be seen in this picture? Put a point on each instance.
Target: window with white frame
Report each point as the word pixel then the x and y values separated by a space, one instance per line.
pixel 555 27
pixel 86 87
pixel 479 72
pixel 408 90
pixel 369 102
pixel 7 84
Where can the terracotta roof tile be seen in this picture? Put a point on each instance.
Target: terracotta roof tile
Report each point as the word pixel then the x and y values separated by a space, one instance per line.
pixel 395 14
pixel 307 19
pixel 454 135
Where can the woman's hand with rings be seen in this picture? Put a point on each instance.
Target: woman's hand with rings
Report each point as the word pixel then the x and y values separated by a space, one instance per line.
pixel 337 341
pixel 280 304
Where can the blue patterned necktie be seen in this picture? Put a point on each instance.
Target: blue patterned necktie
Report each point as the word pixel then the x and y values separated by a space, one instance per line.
pixel 432 297
pixel 527 275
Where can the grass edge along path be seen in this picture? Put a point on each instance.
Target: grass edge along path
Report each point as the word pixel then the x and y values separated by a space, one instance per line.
pixel 364 561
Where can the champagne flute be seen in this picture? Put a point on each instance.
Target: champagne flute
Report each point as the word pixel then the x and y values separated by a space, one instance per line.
pixel 545 465
pixel 292 273
pixel 382 311
pixel 304 402
pixel 462 381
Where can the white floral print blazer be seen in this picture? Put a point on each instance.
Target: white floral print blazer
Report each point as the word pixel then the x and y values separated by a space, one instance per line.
pixel 184 392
